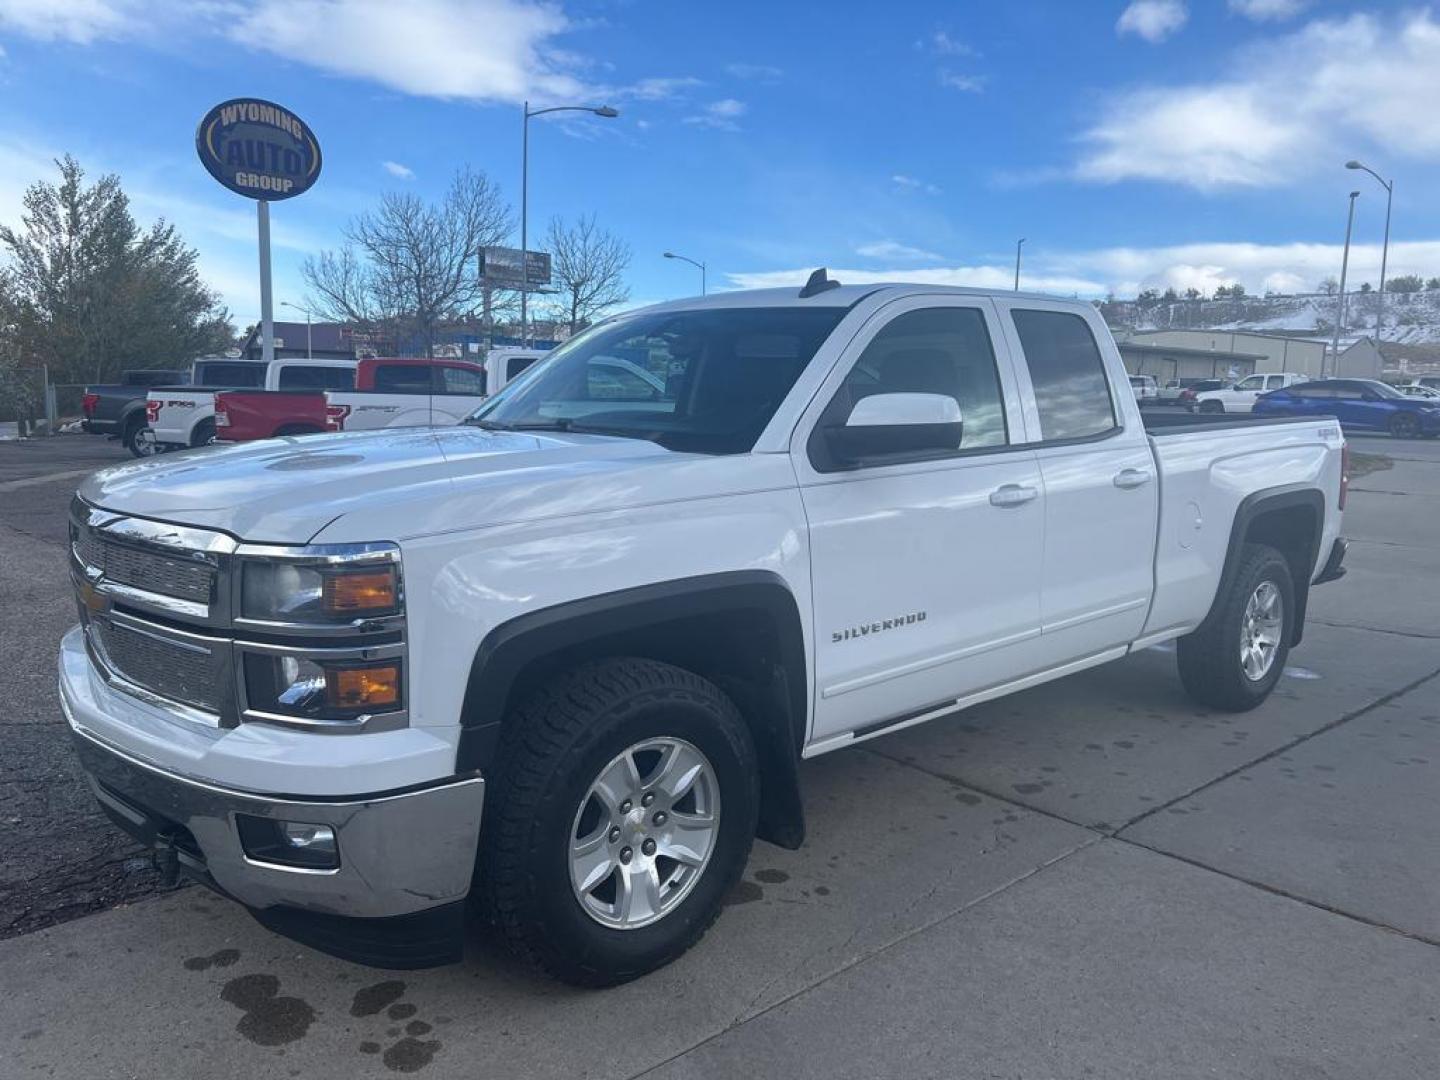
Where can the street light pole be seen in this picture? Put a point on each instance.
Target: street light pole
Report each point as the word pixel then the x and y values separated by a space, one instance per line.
pixel 309 352
pixel 1340 310
pixel 692 262
pixel 601 110
pixel 1018 245
pixel 1389 186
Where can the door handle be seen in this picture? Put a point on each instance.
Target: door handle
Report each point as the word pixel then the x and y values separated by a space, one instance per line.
pixel 1132 478
pixel 1007 495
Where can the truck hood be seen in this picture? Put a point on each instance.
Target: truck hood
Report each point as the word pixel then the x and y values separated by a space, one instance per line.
pixel 401 482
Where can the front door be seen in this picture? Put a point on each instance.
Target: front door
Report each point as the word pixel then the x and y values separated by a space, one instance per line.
pixel 925 570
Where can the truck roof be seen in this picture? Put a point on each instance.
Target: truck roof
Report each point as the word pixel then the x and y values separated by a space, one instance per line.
pixel 837 296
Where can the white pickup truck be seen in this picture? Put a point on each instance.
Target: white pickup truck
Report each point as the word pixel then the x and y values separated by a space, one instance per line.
pixel 1241 397
pixel 562 662
pixel 181 417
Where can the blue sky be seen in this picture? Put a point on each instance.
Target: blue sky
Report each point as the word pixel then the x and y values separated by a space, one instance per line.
pixel 1151 143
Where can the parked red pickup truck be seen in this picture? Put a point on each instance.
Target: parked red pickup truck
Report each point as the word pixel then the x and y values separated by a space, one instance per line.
pixel 389 392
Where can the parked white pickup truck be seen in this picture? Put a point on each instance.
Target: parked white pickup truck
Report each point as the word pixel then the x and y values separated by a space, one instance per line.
pixel 563 661
pixel 1240 398
pixel 180 417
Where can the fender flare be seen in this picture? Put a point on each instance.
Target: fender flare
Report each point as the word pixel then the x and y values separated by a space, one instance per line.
pixel 1254 505
pixel 511 647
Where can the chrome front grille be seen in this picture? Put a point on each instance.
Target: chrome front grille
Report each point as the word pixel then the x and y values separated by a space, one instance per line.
pixel 152 571
pixel 190 671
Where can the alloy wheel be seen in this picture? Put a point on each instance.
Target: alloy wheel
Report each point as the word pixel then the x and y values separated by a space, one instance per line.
pixel 1261 630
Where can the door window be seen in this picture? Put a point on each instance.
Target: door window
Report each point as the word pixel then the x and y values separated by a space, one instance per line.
pixel 1072 394
pixel 1254 382
pixel 457 380
pixel 943 350
pixel 517 364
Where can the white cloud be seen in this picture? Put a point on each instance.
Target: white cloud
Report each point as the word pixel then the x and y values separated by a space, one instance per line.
pixel 1296 267
pixel 656 89
pixel 721 115
pixel 911 183
pixel 77 21
pixel 1264 10
pixel 1319 94
pixel 1153 20
pixel 895 251
pixel 972 84
pixel 394 168
pixel 942 44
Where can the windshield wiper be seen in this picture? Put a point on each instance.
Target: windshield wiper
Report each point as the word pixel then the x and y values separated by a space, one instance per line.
pixel 564 424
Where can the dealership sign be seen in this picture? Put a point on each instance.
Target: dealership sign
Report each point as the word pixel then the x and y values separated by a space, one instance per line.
pixel 258 149
pixel 501 267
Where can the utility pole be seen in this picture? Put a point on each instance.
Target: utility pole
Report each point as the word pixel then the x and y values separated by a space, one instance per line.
pixel 1340 310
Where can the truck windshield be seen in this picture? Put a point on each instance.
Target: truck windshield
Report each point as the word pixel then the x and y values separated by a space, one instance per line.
pixel 706 381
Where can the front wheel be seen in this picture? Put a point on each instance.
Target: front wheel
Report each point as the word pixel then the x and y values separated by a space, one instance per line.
pixel 1235 658
pixel 624 808
pixel 1212 406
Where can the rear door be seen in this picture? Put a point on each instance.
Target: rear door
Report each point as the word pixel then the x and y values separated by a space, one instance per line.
pixel 924 568
pixel 1101 501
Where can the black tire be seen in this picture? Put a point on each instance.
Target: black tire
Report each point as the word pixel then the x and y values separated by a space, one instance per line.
pixel 130 438
pixel 1209 658
pixel 203 433
pixel 555 746
pixel 1404 426
pixel 1212 407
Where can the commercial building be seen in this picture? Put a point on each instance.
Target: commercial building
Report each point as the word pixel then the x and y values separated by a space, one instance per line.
pixel 1270 352
pixel 1169 362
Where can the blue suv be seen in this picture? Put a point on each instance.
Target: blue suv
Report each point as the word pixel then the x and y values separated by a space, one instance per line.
pixel 1361 404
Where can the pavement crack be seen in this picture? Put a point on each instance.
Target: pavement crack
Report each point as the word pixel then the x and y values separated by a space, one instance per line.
pixel 1374 629
pixel 1283 748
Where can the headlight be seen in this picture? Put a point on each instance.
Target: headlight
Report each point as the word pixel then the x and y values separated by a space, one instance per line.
pixel 320 688
pixel 348 584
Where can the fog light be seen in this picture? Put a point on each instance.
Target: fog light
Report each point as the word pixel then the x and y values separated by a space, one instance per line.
pixel 299 844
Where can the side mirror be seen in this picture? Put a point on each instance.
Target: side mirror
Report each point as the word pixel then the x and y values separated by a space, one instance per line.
pixel 886 425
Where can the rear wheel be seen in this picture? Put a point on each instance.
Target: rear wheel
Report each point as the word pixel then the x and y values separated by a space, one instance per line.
pixel 204 433
pixel 1235 658
pixel 1404 426
pixel 624 808
pixel 138 439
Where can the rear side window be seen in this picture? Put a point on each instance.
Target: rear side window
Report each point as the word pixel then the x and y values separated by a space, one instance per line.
pixel 462 381
pixel 944 350
pixel 516 364
pixel 294 377
pixel 240 376
pixel 1071 391
pixel 402 379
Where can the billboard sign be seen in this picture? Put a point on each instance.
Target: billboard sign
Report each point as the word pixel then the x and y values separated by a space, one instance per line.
pixel 500 267
pixel 258 149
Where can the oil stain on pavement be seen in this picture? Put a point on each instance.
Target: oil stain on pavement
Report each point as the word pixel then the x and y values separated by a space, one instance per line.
pixel 269 1020
pixel 409 1053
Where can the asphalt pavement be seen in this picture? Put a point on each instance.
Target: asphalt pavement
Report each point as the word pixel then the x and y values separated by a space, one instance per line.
pixel 1092 878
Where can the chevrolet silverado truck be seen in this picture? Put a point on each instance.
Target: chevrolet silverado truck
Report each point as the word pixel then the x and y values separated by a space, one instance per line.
pixel 389 392
pixel 183 417
pixel 561 663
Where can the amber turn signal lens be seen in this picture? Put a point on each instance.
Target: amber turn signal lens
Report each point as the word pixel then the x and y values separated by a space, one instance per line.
pixel 363 688
pixel 373 590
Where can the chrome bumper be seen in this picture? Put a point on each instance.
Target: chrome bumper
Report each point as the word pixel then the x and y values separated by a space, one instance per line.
pixel 399 853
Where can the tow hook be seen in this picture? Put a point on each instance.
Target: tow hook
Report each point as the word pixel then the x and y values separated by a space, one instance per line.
pixel 166 859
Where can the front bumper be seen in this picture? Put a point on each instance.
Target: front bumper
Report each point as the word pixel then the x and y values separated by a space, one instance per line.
pixel 406 857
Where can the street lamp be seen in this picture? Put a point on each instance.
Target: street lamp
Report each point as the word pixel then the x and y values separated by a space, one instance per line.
pixel 1340 311
pixel 601 110
pixel 1389 186
pixel 692 262
pixel 1018 245
pixel 306 310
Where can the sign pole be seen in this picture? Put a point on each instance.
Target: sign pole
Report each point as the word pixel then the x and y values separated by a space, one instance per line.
pixel 267 320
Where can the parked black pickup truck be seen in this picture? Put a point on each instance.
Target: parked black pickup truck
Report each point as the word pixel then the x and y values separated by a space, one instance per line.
pixel 118 409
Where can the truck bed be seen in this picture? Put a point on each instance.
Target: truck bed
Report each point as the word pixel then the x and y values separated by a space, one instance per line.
pixel 1162 424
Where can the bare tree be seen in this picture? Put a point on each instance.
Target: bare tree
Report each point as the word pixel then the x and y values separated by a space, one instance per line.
pixel 588 267
pixel 409 266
